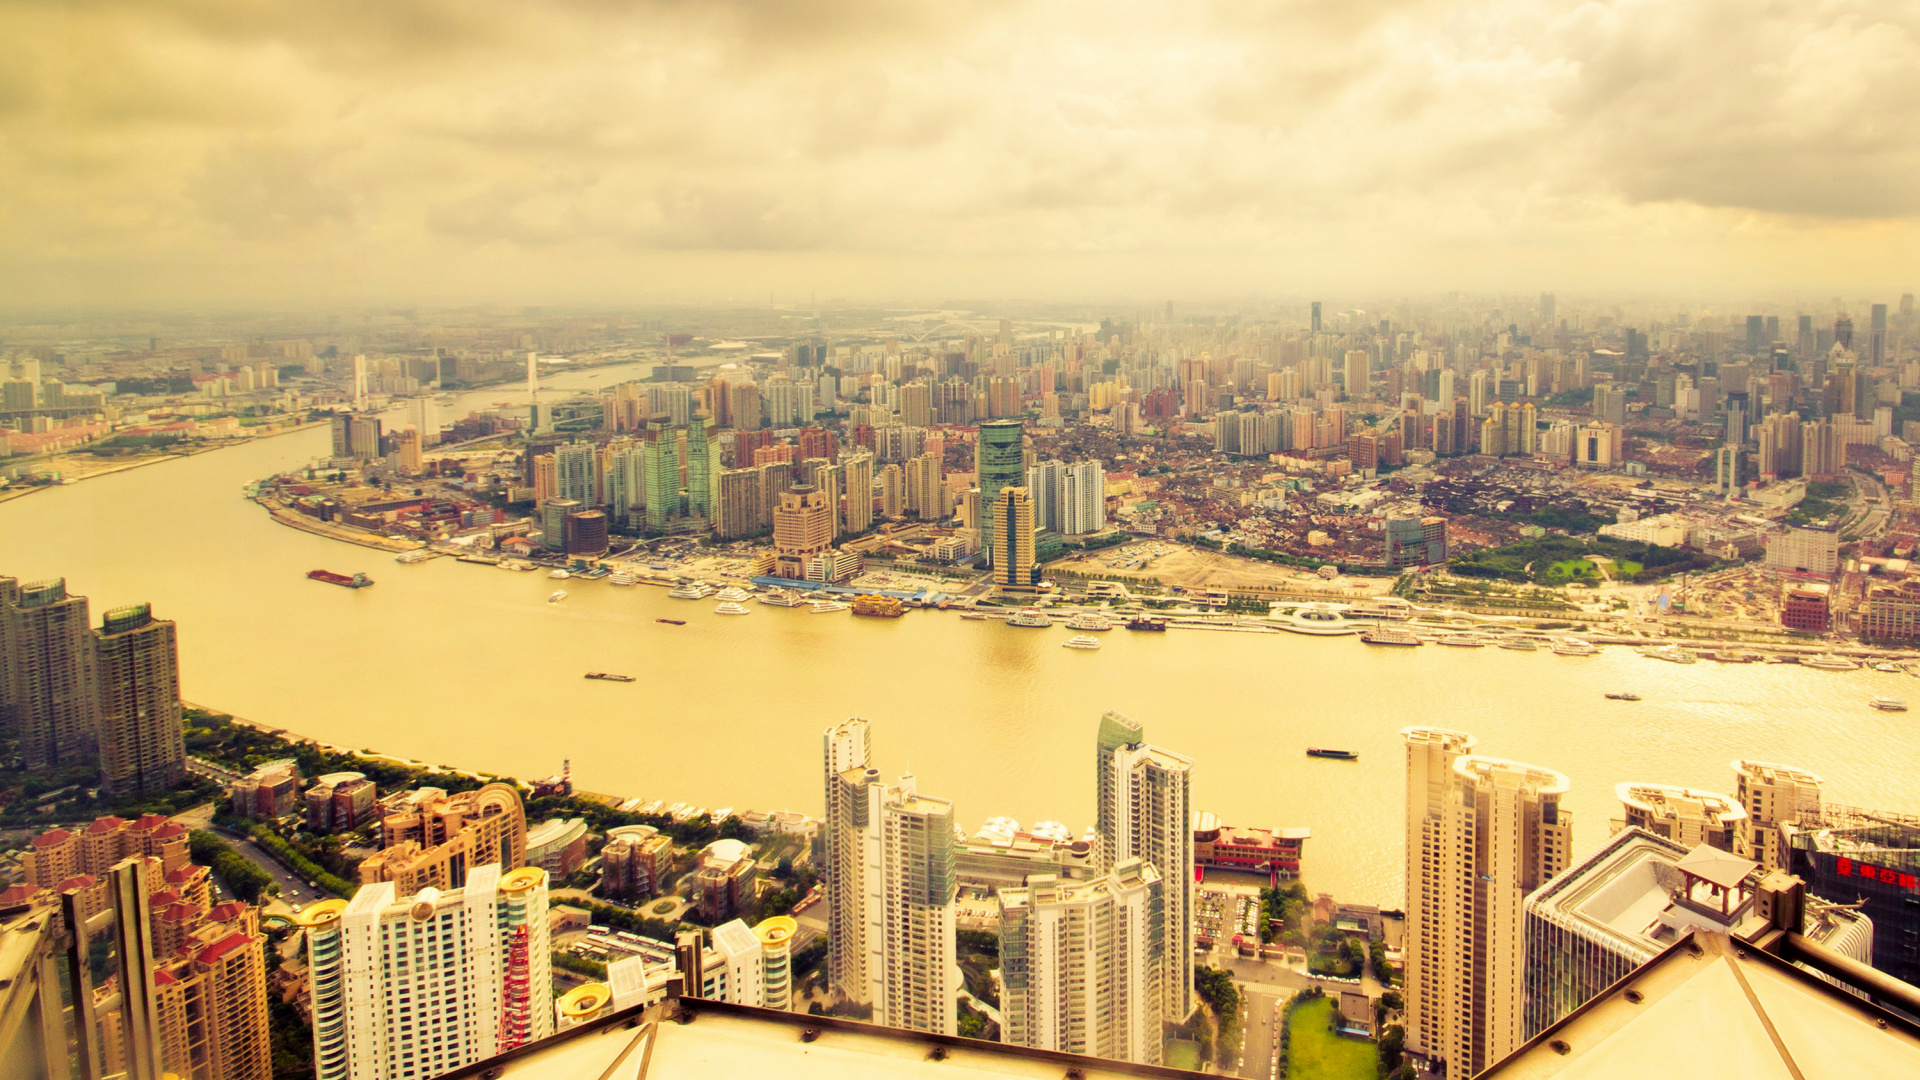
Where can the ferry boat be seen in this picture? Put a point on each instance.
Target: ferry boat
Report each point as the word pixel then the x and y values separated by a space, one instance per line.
pixel 733 594
pixel 827 607
pixel 1316 619
pixel 672 622
pixel 877 606
pixel 783 598
pixel 1081 641
pixel 1882 665
pixel 1464 641
pixel 1828 662
pixel 1623 697
pixel 1889 704
pixel 1029 617
pixel 417 555
pixel 1520 645
pixel 1337 755
pixel 357 581
pixel 1391 635
pixel 731 608
pixel 558 575
pixel 557 596
pixel 1087 620
pixel 693 590
pixel 1148 624
pixel 1573 646
pixel 608 676
pixel 623 577
pixel 1672 654
pixel 974 616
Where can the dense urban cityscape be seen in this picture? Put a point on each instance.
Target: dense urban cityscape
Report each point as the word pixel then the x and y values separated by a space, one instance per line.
pixel 917 541
pixel 1704 489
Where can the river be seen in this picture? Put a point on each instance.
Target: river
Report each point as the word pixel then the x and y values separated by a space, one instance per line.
pixel 470 666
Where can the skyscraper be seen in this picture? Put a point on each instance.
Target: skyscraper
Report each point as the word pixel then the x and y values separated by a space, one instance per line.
pixel 660 473
pixel 1314 324
pixel 414 986
pixel 802 528
pixel 1145 812
pixel 49 672
pixel 999 461
pixel 1772 796
pixel 859 512
pixel 136 664
pixel 849 776
pixel 574 473
pixel 912 972
pixel 1082 966
pixel 703 468
pixel 1481 834
pixel 1010 523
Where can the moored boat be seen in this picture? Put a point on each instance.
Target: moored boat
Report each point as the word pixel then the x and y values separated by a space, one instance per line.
pixel 559 575
pixel 1391 635
pixel 692 590
pixel 1150 625
pixel 783 598
pixel 1337 755
pixel 1573 646
pixel 827 607
pixel 1464 641
pixel 1828 662
pixel 733 594
pixel 1882 665
pixel 1672 654
pixel 417 555
pixel 623 577
pixel 731 608
pixel 1087 620
pixel 878 606
pixel 1520 645
pixel 1029 617
pixel 1081 641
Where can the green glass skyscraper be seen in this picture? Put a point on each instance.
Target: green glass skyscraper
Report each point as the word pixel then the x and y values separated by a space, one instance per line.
pixel 999 461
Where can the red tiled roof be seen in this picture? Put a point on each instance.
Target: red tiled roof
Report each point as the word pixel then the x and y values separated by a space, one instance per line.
pixel 232 909
pixel 106 824
pixel 150 821
pixel 80 881
pixel 185 873
pixel 168 831
pixel 52 838
pixel 16 894
pixel 180 912
pixel 162 898
pixel 164 978
pixel 213 953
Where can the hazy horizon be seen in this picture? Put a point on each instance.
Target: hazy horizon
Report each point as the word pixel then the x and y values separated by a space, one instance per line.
pixel 218 155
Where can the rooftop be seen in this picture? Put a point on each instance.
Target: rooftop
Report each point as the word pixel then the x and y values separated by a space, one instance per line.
pixel 1726 1011
pixel 693 1039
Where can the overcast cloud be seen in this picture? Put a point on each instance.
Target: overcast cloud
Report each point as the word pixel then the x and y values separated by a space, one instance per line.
pixel 594 150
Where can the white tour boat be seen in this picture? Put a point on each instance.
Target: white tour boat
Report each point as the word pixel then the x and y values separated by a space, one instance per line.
pixel 827 607
pixel 733 594
pixel 1573 646
pixel 783 598
pixel 692 590
pixel 559 575
pixel 1029 617
pixel 557 596
pixel 1889 704
pixel 1081 641
pixel 731 608
pixel 1828 662
pixel 1087 620
pixel 624 577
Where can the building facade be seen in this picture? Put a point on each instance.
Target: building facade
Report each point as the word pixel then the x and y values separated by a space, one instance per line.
pixel 1481 833
pixel 409 987
pixel 1145 811
pixel 49 681
pixel 1082 966
pixel 136 666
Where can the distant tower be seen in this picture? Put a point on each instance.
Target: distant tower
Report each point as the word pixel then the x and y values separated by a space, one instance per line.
pixel 1316 316
pixel 359 382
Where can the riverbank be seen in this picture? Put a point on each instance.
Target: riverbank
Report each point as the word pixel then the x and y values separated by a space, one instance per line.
pixel 294 519
pixel 87 461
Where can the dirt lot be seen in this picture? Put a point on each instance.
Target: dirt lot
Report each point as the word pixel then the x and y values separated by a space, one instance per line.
pixel 1193 568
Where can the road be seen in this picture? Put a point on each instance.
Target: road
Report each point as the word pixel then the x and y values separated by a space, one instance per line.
pixel 294 889
pixel 1262 1034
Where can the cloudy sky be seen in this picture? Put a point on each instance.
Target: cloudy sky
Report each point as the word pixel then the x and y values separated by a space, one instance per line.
pixel 446 151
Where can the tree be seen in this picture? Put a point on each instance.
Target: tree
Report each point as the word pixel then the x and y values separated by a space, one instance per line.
pixel 1393 1042
pixel 1215 987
